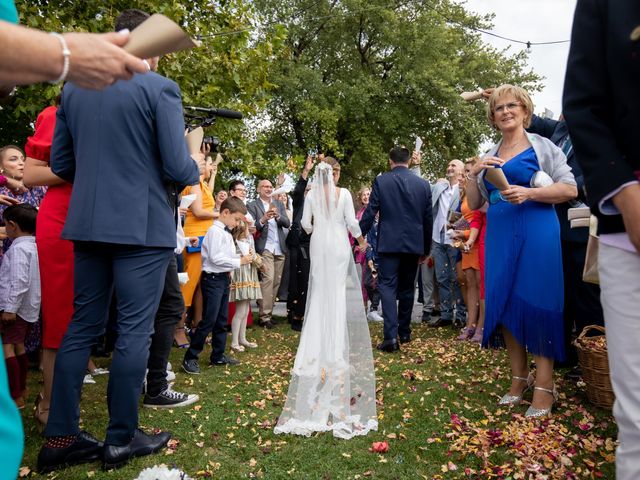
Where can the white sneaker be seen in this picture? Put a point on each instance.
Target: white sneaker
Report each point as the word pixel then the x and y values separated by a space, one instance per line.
pixel 374 316
pixel 171 377
pixel 169 366
pixel 99 371
pixel 88 379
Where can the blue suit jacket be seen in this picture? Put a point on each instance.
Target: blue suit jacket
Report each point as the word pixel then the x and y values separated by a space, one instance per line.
pixel 558 133
pixel 404 202
pixel 123 148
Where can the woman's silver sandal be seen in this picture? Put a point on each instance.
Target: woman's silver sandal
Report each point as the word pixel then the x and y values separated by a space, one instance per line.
pixel 514 400
pixel 542 412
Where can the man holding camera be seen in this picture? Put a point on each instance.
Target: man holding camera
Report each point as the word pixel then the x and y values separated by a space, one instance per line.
pixel 271 220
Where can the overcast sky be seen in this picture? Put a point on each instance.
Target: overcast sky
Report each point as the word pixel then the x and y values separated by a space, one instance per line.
pixel 534 21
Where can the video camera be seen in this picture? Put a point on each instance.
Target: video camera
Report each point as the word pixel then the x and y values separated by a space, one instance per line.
pixel 207 117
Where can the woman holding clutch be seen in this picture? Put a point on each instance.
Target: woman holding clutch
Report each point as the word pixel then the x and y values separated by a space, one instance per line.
pixel 524 286
pixel 199 218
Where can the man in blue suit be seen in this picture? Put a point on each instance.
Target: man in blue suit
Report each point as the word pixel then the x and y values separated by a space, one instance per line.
pixel 123 149
pixel 403 201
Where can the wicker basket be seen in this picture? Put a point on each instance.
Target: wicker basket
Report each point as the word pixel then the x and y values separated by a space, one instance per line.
pixel 595 367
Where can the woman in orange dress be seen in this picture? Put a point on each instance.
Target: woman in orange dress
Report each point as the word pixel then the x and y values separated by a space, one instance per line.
pixel 199 218
pixel 470 259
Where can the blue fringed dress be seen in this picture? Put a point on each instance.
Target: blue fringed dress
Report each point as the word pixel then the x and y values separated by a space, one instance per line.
pixel 524 283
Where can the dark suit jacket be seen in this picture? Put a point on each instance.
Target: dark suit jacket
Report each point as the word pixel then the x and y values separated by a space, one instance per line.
pixel 602 99
pixel 122 148
pixel 256 209
pixel 406 221
pixel 297 236
pixel 558 133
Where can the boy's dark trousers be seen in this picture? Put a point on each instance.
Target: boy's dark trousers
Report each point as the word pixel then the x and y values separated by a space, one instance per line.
pixel 168 315
pixel 215 295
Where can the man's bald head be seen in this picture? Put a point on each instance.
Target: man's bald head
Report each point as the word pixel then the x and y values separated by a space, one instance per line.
pixel 455 169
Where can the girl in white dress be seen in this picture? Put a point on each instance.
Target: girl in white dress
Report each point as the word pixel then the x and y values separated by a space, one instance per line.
pixel 333 381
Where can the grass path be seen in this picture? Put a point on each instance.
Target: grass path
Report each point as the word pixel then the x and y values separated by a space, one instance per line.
pixel 437 411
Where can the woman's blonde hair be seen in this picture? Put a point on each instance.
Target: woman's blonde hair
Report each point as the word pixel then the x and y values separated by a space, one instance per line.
pixel 519 93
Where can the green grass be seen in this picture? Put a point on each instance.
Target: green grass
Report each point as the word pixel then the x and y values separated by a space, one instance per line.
pixel 229 433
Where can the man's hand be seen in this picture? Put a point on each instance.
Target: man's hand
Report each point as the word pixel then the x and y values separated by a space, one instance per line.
pixel 486 93
pixel 7 200
pixel 97 60
pixel 8 317
pixel 627 202
pixel 308 165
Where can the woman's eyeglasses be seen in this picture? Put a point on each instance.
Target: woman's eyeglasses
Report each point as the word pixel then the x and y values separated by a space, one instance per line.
pixel 506 106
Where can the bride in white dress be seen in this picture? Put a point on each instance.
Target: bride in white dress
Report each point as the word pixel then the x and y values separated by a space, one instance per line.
pixel 333 381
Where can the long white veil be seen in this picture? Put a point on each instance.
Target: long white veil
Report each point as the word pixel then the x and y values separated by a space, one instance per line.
pixel 332 382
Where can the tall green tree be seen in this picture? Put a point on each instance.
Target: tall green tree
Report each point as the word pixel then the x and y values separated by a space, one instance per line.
pixel 228 71
pixel 358 76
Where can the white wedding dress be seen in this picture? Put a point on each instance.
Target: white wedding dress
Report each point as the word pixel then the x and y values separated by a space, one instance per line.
pixel 332 381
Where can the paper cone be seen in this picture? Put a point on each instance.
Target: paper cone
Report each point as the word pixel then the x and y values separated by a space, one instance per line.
pixel 471 96
pixel 194 140
pixel 497 178
pixel 158 36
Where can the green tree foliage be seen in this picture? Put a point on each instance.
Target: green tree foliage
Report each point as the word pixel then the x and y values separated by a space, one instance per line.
pixel 358 76
pixel 228 71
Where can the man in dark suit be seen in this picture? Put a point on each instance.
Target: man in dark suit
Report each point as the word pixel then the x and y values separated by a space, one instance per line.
pixel 270 221
pixel 124 151
pixel 403 201
pixel 602 109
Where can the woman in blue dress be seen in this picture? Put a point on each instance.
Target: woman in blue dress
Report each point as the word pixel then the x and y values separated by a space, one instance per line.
pixel 524 282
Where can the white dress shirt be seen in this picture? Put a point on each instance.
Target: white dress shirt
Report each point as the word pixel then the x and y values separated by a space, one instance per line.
pixel 218 250
pixel 273 242
pixel 607 207
pixel 20 280
pixel 440 222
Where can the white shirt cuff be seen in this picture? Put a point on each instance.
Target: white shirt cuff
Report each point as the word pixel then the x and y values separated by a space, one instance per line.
pixel 606 205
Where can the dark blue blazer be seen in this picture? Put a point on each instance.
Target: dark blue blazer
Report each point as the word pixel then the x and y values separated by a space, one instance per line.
pixel 403 200
pixel 123 148
pixel 602 99
pixel 558 132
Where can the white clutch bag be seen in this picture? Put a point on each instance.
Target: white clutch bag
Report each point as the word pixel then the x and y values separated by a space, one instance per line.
pixel 541 179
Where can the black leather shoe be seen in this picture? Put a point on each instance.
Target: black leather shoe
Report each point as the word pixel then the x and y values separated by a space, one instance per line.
pixel 296 325
pixel 406 339
pixel 438 322
pixel 85 449
pixel 574 375
pixel 389 346
pixel 268 324
pixel 116 456
pixel 426 317
pixel 225 361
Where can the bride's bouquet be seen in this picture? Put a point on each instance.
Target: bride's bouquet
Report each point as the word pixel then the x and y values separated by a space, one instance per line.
pixel 162 472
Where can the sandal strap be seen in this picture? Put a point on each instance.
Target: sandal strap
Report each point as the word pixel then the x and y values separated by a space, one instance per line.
pixel 549 391
pixel 524 379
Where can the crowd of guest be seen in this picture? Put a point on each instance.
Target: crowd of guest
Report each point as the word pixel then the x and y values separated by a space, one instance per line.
pixel 501 262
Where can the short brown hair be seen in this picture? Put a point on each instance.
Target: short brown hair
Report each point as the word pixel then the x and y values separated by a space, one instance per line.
pixel 4 149
pixel 234 205
pixel 519 93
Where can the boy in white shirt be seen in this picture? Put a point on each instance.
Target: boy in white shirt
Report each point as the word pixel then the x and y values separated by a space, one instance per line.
pixel 219 259
pixel 19 294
